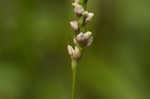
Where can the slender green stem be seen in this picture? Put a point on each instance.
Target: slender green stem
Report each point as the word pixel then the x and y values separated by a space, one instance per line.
pixel 74 70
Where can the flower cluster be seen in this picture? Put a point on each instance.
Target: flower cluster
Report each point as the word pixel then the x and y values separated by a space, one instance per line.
pixel 81 39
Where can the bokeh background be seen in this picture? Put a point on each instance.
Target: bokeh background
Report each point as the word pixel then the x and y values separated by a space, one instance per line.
pixel 34 63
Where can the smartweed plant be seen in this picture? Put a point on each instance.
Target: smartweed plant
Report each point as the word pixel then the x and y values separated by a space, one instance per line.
pixel 82 37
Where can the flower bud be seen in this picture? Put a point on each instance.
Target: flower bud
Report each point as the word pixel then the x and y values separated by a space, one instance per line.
pixel 80 37
pixel 89 41
pixel 84 39
pixel 74 53
pixel 78 9
pixel 74 25
pixel 89 17
pixel 70 50
pixel 87 35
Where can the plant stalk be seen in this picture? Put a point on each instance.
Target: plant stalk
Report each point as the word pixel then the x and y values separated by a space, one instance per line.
pixel 76 53
pixel 74 70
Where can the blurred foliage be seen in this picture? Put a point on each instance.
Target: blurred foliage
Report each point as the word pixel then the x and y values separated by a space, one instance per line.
pixel 34 63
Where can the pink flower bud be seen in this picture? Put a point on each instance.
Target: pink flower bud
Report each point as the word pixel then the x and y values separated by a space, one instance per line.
pixel 78 9
pixel 74 25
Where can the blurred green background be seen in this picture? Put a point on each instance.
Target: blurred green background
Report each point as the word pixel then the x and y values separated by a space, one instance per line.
pixel 34 63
